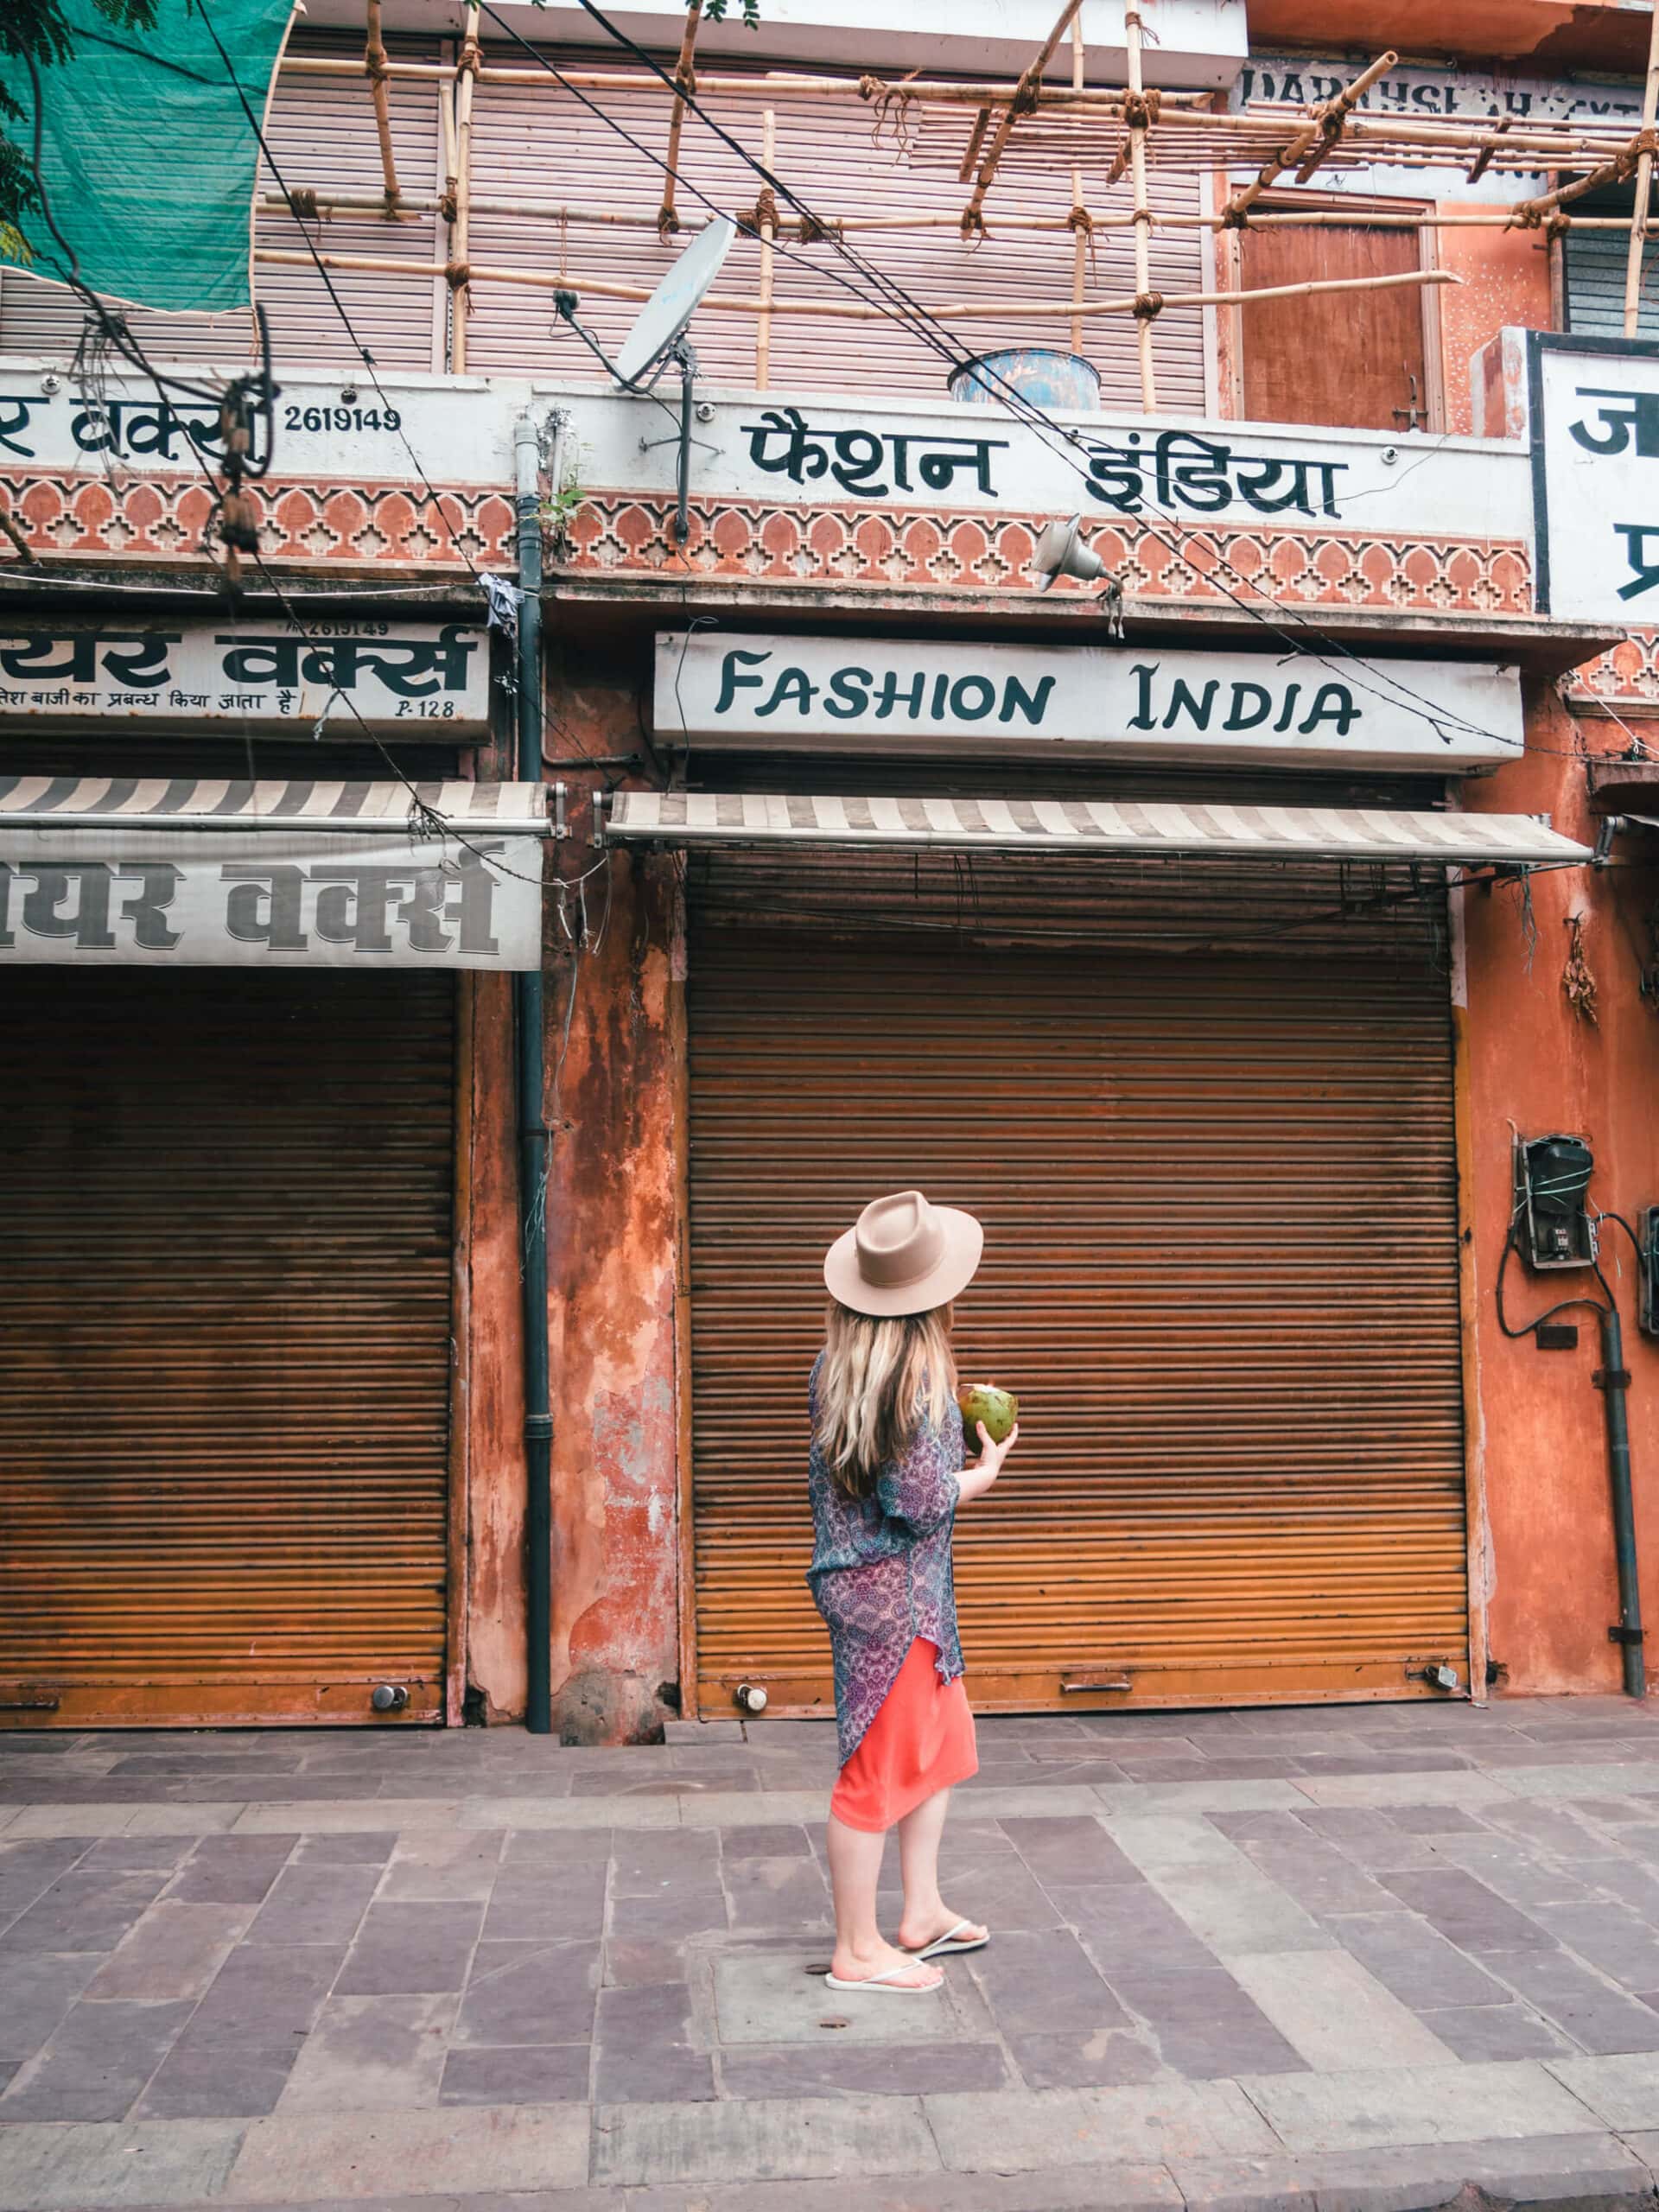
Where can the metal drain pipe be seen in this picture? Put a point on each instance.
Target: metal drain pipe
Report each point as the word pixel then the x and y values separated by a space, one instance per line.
pixel 1614 1381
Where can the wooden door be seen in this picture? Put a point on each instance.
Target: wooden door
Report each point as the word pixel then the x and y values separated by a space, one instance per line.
pixel 1355 359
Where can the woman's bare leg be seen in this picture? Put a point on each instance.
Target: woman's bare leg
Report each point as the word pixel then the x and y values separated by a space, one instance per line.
pixel 926 1916
pixel 855 1870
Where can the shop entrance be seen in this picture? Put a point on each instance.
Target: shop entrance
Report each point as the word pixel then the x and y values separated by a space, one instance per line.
pixel 226 1379
pixel 1219 1192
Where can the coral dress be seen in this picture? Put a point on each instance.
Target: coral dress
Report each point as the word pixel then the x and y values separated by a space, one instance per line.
pixel 921 1741
pixel 881 1576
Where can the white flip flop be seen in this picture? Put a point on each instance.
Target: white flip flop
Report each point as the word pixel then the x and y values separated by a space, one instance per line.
pixel 949 1943
pixel 887 1983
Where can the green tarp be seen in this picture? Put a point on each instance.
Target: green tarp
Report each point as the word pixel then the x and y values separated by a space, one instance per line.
pixel 147 154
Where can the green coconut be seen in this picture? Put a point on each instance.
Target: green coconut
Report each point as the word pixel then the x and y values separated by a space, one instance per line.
pixel 984 1401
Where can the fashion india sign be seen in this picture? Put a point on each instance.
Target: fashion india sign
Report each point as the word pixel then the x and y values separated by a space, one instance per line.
pixel 833 694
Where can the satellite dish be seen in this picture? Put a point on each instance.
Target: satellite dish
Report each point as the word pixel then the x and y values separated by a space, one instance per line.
pixel 661 322
pixel 1060 552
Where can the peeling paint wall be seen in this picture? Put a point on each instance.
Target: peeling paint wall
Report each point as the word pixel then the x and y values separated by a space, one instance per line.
pixel 1505 283
pixel 494 1564
pixel 612 1075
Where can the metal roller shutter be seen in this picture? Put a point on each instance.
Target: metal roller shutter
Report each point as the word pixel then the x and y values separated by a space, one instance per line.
pixel 536 141
pixel 1595 263
pixel 224 1385
pixel 1222 1274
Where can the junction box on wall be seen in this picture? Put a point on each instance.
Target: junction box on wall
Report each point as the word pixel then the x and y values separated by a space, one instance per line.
pixel 1552 1222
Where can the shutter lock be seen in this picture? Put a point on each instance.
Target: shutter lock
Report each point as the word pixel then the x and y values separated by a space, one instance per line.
pixel 388 1697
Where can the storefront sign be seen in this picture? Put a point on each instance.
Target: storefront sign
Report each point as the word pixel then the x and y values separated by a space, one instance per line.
pixel 322 426
pixel 1595 420
pixel 429 680
pixel 829 694
pixel 211 899
pixel 1172 474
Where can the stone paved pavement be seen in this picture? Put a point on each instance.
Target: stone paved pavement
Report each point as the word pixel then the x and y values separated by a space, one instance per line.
pixel 1347 1959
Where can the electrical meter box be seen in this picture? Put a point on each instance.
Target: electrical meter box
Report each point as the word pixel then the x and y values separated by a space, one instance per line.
pixel 1552 1176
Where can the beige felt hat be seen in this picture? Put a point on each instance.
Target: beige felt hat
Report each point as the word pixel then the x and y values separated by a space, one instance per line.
pixel 903 1256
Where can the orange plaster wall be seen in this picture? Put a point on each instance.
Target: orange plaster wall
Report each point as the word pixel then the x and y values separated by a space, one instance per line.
pixel 1537 1429
pixel 495 1459
pixel 613 1062
pixel 1505 282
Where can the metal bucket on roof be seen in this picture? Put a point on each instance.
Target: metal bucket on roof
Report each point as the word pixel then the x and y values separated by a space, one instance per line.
pixel 1051 379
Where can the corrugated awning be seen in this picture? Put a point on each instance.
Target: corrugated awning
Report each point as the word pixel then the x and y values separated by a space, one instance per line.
pixel 388 809
pixel 1072 825
pixel 185 872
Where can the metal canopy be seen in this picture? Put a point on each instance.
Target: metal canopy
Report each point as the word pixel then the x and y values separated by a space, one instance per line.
pixel 1146 829
pixel 161 802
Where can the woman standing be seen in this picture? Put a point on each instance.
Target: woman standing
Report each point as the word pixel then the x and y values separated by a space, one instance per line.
pixel 887 1479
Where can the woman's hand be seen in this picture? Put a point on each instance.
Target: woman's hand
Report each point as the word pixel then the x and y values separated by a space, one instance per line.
pixel 977 1477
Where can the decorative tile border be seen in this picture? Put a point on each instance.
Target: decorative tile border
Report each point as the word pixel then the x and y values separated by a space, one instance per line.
pixel 162 517
pixel 1626 676
pixel 616 534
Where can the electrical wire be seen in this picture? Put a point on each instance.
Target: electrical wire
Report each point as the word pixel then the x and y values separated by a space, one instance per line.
pixel 363 353
pixel 907 309
pixel 1567 1306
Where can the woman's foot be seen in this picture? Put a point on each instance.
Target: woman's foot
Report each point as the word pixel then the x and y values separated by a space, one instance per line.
pixel 917 1930
pixel 881 1958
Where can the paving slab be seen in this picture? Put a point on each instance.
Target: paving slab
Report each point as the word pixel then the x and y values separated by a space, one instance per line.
pixel 761 2140
pixel 1595 2171
pixel 1429 2104
pixel 1622 2090
pixel 1027 2131
pixel 459 2151
pixel 84 2169
pixel 1336 2014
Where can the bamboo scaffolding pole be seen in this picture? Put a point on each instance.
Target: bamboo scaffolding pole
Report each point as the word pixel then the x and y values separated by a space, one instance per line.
pixel 1530 214
pixel 768 226
pixel 1147 304
pixel 685 85
pixel 1644 181
pixel 1312 141
pixel 1024 99
pixel 460 228
pixel 321 203
pixel 846 311
pixel 1079 217
pixel 374 61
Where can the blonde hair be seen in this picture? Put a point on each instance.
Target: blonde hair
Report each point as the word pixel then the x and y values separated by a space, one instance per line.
pixel 880 1377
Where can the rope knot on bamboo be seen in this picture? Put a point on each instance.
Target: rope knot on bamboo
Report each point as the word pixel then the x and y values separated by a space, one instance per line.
pixel 762 214
pixel 1142 110
pixel 973 223
pixel 470 60
pixel 302 199
pixel 811 232
pixel 1148 306
pixel 457 275
pixel 667 221
pixel 1082 222
pixel 1235 218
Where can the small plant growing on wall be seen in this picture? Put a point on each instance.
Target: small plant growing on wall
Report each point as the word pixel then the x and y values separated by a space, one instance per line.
pixel 559 508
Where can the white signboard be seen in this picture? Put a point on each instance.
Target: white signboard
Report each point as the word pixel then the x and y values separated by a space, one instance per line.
pixel 428 679
pixel 836 694
pixel 324 426
pixel 815 450
pixel 809 452
pixel 1595 426
pixel 142 898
